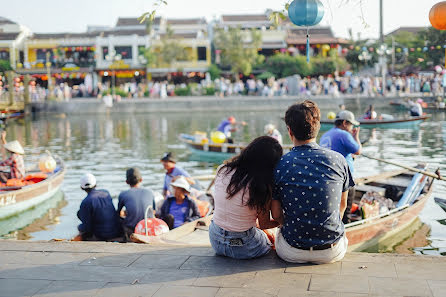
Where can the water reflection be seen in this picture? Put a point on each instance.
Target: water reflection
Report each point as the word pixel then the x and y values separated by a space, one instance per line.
pixel 107 144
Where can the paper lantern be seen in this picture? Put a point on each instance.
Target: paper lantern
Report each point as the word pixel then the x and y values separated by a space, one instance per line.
pixel 398 50
pixel 155 227
pixel 306 13
pixel 218 137
pixel 425 49
pixel 47 164
pixel 438 47
pixel 437 16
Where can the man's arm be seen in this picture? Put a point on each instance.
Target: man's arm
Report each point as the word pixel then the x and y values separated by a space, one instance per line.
pixel 343 204
pixel 85 215
pixel 355 145
pixel 277 212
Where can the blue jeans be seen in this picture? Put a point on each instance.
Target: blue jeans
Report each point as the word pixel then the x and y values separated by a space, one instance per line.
pixel 249 244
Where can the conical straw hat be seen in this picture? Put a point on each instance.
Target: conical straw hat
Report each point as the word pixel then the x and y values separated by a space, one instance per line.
pixel 15 147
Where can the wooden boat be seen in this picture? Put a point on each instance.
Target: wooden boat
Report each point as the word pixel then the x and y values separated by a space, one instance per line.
pixel 406 122
pixel 214 152
pixel 378 233
pixel 15 200
pixel 441 202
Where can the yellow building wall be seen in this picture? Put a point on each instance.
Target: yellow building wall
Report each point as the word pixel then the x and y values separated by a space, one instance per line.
pixel 32 56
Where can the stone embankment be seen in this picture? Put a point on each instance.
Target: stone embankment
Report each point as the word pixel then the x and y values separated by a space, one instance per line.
pixel 193 104
pixel 112 269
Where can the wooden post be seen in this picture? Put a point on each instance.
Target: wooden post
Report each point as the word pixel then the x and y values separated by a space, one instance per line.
pixel 10 78
pixel 26 80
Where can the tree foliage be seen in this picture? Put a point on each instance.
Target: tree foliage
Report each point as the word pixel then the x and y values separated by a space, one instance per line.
pixel 239 48
pixel 5 65
pixel 166 52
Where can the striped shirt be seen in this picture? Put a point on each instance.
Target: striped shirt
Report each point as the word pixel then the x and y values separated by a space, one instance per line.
pixel 17 165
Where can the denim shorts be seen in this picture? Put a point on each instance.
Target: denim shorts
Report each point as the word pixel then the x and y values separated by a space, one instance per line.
pixel 249 244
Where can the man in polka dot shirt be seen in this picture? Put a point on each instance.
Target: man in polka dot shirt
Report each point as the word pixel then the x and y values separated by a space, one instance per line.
pixel 310 195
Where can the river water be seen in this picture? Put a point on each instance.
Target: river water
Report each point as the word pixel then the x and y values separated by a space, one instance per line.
pixel 107 145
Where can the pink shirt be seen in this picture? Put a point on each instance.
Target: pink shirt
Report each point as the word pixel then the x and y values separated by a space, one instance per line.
pixel 232 214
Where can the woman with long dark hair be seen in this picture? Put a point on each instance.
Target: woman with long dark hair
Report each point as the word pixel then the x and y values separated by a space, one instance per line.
pixel 243 193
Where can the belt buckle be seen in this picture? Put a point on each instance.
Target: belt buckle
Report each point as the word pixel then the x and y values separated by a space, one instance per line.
pixel 235 242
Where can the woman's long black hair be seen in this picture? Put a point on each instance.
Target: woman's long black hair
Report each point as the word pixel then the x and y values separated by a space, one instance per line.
pixel 254 170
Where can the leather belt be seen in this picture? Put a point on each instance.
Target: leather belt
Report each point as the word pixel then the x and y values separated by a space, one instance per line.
pixel 319 247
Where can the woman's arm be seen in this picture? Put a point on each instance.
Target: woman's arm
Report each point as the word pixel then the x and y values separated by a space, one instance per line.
pixel 264 218
pixel 276 211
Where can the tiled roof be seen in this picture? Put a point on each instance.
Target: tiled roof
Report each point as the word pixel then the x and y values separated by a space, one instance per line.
pixel 8 36
pixel 4 21
pixel 245 18
pixel 196 21
pixel 407 29
pixel 317 35
pixel 64 35
pixel 125 22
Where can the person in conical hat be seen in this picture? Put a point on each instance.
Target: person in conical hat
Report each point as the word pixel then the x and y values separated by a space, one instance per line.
pixel 15 160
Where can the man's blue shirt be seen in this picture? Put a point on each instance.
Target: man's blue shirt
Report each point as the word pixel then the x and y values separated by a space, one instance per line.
pixel 175 172
pixel 225 127
pixel 342 142
pixel 309 181
pixel 98 216
pixel 136 201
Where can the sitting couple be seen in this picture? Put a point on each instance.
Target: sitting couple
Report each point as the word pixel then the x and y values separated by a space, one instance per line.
pixel 305 192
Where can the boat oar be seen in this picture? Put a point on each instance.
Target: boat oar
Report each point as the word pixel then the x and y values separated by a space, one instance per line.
pixel 428 173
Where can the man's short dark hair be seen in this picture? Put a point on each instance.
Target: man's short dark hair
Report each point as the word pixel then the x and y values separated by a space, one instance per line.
pixel 304 120
pixel 338 122
pixel 133 176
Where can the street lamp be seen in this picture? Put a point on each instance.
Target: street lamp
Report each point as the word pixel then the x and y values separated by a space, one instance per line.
pixel 143 60
pixel 364 56
pixel 112 57
pixel 383 51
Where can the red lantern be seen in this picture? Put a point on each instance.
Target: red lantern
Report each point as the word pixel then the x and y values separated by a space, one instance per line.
pixel 437 16
pixel 155 227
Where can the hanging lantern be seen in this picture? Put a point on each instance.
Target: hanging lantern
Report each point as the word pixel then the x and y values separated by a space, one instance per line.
pixel 425 49
pixel 357 48
pixel 437 16
pixel 371 49
pixel 419 49
pixel 306 13
pixel 438 46
pixel 398 50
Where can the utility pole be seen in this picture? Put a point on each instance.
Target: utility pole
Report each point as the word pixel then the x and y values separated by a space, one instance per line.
pixel 381 39
pixel 381 22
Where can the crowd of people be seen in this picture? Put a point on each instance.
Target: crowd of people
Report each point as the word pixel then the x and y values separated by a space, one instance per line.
pixel 179 204
pixel 331 85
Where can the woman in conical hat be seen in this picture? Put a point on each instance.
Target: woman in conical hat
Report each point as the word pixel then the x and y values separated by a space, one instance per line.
pixel 15 160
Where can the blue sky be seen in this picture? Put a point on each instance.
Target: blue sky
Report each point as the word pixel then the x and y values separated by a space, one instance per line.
pixel 74 16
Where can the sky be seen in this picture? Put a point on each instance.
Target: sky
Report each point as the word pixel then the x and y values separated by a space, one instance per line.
pixel 47 16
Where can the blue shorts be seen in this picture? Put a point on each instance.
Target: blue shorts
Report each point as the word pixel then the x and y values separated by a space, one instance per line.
pixel 249 244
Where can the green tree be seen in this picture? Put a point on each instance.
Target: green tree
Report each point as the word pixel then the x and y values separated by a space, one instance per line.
pixel 214 71
pixel 5 65
pixel 166 52
pixel 239 48
pixel 283 65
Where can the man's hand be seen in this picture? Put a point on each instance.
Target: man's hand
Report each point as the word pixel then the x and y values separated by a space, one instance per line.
pixel 355 132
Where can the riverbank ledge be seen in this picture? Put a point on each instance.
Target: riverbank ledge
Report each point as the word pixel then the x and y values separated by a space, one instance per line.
pixel 30 268
pixel 209 103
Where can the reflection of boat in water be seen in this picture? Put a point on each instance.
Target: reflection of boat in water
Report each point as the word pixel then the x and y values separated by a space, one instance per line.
pixel 14 200
pixel 214 152
pixel 406 122
pixel 32 220
pixel 368 234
